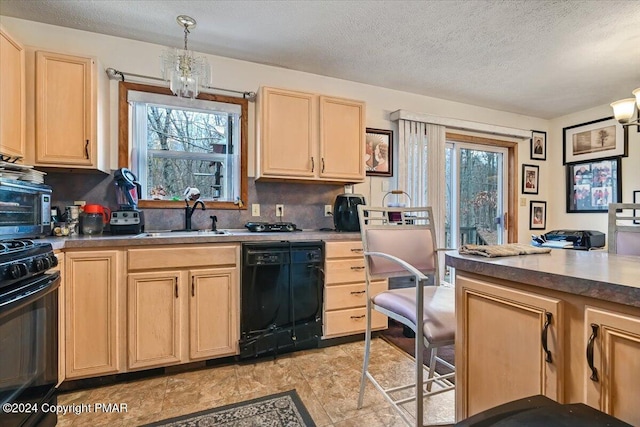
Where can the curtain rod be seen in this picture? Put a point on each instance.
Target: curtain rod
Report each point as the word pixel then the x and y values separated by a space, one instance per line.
pixel 120 75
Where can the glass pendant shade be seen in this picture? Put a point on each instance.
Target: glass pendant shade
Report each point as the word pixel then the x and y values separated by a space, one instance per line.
pixel 185 72
pixel 623 110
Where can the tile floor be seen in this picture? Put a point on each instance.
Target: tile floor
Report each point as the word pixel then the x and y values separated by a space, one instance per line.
pixel 326 379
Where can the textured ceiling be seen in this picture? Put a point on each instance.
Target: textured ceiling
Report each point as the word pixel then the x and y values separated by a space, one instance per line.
pixel 538 58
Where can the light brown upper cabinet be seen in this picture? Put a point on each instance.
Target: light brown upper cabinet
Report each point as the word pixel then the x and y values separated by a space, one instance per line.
pixel 12 97
pixel 309 137
pixel 67 112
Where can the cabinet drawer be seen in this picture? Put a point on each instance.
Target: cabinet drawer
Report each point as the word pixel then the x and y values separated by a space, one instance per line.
pixel 351 321
pixel 345 296
pixel 343 249
pixel 187 256
pixel 345 271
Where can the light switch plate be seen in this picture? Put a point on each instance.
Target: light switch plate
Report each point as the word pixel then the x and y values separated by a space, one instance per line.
pixel 523 201
pixel 327 210
pixel 279 211
pixel 255 209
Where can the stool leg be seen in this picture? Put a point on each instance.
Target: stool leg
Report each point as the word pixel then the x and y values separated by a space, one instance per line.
pixel 367 353
pixel 432 366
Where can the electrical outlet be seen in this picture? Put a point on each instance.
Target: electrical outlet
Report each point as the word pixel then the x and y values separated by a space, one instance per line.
pixel 327 210
pixel 279 211
pixel 523 201
pixel 255 209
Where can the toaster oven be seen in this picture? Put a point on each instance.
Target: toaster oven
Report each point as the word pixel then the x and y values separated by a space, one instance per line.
pixel 25 209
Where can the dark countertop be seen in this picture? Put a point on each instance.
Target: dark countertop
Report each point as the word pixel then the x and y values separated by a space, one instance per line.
pixel 595 274
pixel 235 236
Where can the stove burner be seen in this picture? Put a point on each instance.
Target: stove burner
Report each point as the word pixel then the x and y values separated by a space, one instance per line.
pixel 265 227
pixel 7 246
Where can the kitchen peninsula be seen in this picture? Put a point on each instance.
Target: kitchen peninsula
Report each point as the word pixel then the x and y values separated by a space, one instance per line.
pixel 565 325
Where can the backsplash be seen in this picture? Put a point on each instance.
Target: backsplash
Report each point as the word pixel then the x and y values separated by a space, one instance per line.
pixel 303 203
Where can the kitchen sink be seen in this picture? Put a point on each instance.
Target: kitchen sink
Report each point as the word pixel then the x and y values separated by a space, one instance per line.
pixel 182 233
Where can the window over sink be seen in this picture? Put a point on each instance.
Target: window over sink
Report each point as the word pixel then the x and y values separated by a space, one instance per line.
pixel 172 143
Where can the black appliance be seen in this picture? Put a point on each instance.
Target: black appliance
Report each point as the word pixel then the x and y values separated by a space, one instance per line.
pixel 281 297
pixel 345 212
pixel 581 239
pixel 128 219
pixel 25 209
pixel 266 227
pixel 28 333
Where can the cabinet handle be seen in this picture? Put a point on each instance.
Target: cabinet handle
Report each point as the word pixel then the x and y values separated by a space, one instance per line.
pixel 356 250
pixel 358 317
pixel 193 286
pixel 592 338
pixel 357 292
pixel 357 268
pixel 322 165
pixel 86 149
pixel 176 285
pixel 544 338
pixel 313 165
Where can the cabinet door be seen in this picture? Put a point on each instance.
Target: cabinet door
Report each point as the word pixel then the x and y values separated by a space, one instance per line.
pixel 499 339
pixel 342 136
pixel 92 288
pixel 12 96
pixel 154 311
pixel 213 313
pixel 288 134
pixel 617 360
pixel 65 110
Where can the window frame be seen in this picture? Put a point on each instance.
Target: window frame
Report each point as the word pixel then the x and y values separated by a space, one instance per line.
pixel 124 147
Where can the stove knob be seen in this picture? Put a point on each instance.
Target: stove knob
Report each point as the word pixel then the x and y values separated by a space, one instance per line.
pixel 260 227
pixel 289 227
pixel 38 265
pixel 53 260
pixel 18 270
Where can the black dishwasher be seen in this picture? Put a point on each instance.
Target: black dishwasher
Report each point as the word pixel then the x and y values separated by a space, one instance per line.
pixel 281 297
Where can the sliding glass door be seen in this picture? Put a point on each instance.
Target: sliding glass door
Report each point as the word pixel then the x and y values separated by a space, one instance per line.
pixel 476 190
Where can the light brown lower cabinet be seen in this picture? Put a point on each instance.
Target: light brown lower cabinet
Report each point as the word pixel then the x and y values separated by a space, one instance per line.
pixel 93 317
pixel 501 337
pixel 345 295
pixel 501 356
pixel 612 375
pixel 180 316
pixel 177 314
pixel 154 313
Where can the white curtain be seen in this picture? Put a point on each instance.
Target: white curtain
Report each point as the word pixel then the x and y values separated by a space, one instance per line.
pixel 421 169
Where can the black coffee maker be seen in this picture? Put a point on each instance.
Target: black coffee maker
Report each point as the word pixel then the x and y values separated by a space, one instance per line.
pixel 345 212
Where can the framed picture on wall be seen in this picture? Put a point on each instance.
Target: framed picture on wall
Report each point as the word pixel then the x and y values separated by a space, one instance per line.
pixel 378 158
pixel 598 139
pixel 530 179
pixel 591 186
pixel 537 215
pixel 538 145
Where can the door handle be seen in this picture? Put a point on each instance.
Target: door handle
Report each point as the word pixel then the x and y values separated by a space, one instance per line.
pixel 193 286
pixel 322 165
pixel 176 285
pixel 313 165
pixel 357 268
pixel 545 329
pixel 358 317
pixel 592 338
pixel 86 149
pixel 357 292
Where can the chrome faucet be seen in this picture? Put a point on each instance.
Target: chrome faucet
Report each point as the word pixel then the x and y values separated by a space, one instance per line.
pixel 188 213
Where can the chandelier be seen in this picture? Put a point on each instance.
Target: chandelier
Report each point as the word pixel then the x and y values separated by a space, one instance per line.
pixel 185 72
pixel 623 110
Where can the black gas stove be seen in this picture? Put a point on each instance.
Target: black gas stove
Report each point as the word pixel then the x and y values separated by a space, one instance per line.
pixel 21 259
pixel 28 332
pixel 266 227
